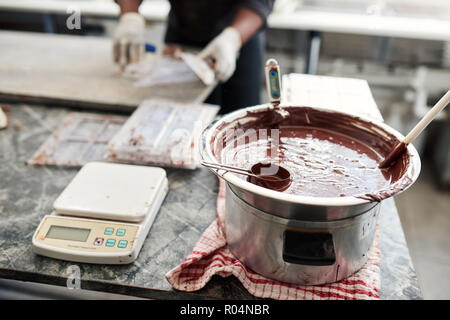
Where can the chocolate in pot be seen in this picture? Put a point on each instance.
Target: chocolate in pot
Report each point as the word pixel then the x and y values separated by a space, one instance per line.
pixel 327 154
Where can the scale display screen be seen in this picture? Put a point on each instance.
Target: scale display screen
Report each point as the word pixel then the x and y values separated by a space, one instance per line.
pixel 68 233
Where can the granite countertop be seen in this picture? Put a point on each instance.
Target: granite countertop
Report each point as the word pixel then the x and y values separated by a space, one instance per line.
pixel 27 194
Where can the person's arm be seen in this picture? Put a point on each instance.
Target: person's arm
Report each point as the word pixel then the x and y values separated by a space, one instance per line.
pixel 224 49
pixel 128 5
pixel 128 39
pixel 247 22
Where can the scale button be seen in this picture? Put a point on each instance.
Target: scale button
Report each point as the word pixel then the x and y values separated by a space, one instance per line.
pixel 110 242
pixel 98 241
pixel 120 232
pixel 109 231
pixel 122 244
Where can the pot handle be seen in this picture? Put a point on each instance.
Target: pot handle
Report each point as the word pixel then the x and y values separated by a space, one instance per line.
pixel 312 249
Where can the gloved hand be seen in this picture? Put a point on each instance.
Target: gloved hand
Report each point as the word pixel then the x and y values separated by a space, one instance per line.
pixel 223 50
pixel 128 40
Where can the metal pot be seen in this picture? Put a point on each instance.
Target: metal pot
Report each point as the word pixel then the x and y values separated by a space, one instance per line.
pixel 293 238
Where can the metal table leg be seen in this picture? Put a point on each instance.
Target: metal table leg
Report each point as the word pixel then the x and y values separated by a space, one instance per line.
pixel 49 23
pixel 312 52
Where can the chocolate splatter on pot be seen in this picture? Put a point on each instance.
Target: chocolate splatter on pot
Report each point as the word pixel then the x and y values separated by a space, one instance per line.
pixel 320 229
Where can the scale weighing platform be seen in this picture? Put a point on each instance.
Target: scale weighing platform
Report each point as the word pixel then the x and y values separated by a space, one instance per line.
pixel 104 214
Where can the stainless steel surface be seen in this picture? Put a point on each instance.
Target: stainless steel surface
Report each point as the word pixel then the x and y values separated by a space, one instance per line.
pixel 258 240
pixel 300 211
pixel 437 9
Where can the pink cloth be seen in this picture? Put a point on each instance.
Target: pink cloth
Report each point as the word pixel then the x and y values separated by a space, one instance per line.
pixel 211 256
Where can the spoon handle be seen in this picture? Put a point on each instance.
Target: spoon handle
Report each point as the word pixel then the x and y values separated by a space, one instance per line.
pixel 227 168
pixel 273 81
pixel 429 116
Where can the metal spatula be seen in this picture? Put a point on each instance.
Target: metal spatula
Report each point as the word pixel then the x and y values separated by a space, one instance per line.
pixel 198 65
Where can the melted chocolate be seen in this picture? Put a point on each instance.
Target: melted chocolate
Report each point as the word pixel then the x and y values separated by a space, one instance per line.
pixel 393 155
pixel 279 180
pixel 327 154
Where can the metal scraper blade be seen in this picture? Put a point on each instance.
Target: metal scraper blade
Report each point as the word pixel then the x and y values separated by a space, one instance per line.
pixel 199 66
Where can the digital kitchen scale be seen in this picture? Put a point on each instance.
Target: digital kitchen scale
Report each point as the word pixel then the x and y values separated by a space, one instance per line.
pixel 103 215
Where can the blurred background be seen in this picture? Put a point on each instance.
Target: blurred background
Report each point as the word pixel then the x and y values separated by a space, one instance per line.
pixel 401 47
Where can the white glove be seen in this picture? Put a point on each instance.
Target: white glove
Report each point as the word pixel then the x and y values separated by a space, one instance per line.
pixel 128 40
pixel 223 50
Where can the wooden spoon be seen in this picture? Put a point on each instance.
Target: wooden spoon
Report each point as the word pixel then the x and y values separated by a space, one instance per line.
pixel 425 121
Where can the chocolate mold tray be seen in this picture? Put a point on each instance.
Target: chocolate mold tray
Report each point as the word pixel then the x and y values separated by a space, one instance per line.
pixel 162 132
pixel 81 138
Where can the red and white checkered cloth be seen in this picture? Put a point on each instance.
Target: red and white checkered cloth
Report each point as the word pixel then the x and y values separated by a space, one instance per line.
pixel 211 256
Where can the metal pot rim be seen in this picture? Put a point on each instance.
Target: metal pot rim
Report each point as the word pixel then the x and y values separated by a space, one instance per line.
pixel 206 153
